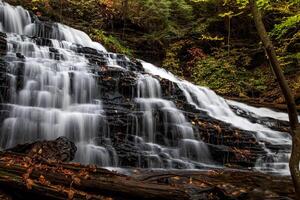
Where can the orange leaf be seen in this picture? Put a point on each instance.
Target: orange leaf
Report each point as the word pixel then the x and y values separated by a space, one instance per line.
pixel 29 183
pixel 43 181
pixel 77 180
pixel 70 194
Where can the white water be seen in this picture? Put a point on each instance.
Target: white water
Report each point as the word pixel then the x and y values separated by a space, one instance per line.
pixel 18 20
pixel 182 149
pixel 15 19
pixel 59 98
pixel 206 100
pixel 59 94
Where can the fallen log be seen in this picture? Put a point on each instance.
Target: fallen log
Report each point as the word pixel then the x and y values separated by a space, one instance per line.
pixel 54 180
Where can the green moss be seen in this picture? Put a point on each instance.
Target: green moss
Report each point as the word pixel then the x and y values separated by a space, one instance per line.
pixel 227 79
pixel 296 55
pixel 172 61
pixel 283 28
pixel 110 42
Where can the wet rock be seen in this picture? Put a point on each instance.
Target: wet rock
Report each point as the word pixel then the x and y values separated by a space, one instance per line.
pixel 88 50
pixel 228 145
pixel 19 55
pixel 4 82
pixel 269 122
pixel 3 45
pixel 128 153
pixel 41 41
pixel 60 149
pixel 116 84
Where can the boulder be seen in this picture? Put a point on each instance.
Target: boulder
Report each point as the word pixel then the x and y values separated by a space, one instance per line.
pixel 60 149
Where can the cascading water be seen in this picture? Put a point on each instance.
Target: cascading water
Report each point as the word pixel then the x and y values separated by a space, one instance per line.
pixel 53 92
pixel 58 96
pixel 206 100
pixel 183 148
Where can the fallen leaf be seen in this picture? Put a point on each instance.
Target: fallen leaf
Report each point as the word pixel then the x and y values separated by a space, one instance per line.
pixel 43 181
pixel 29 183
pixel 70 194
pixel 77 180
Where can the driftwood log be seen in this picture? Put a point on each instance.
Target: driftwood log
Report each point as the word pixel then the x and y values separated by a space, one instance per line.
pixel 32 176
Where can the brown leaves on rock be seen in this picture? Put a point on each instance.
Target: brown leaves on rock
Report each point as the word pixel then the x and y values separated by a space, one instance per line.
pixel 70 194
pixel 27 174
pixel 84 174
pixel 11 162
pixel 43 181
pixel 76 180
pixel 26 178
pixel 29 183
pixel 107 78
pixel 212 173
pixel 67 172
pixel 27 162
pixel 218 128
pixel 242 153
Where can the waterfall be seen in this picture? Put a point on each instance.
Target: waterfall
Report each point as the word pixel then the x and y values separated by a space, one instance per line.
pixel 57 93
pixel 13 19
pixel 206 100
pixel 18 20
pixel 183 147
pixel 54 92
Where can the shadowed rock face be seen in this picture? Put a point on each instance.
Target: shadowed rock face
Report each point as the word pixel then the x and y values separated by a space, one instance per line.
pixel 60 149
pixel 114 112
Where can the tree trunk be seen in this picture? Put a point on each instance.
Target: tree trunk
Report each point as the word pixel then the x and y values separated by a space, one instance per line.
pixel 289 99
pixel 294 161
pixel 124 16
